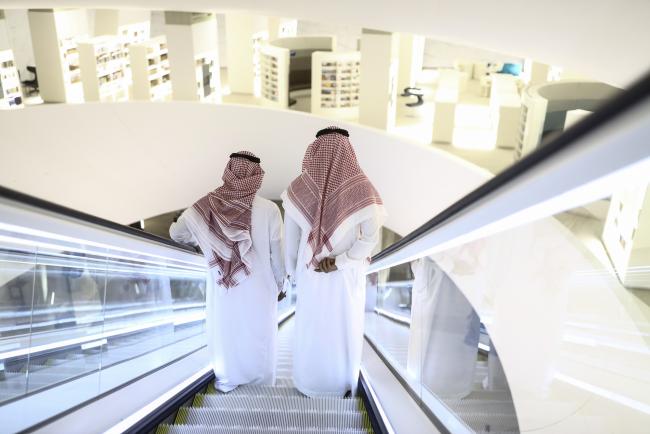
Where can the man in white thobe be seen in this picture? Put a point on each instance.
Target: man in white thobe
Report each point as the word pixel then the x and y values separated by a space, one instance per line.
pixel 240 234
pixel 332 219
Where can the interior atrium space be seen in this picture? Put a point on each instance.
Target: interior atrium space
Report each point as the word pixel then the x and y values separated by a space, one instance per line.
pixel 247 217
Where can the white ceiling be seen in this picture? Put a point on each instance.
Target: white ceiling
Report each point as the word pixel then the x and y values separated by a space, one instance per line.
pixel 603 39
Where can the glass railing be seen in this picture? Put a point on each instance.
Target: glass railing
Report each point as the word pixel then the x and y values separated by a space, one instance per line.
pixel 87 306
pixel 530 311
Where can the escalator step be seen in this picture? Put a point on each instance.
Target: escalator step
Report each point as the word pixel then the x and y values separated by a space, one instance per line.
pixel 216 429
pixel 276 418
pixel 264 402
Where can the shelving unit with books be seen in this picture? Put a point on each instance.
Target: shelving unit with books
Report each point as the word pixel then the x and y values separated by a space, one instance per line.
pixel 275 76
pixel 103 64
pixel 11 95
pixel 335 84
pixel 150 70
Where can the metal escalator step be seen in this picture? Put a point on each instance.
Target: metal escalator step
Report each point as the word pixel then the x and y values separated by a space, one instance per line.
pixel 280 383
pixel 262 402
pixel 269 391
pixel 275 418
pixel 481 406
pixel 216 429
pixel 493 395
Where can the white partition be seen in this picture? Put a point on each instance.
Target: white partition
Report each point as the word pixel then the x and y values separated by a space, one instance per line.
pixel 446 99
pixel 505 110
pixel 275 76
pixel 379 70
pixel 11 95
pixel 411 58
pixel 626 234
pixel 335 83
pixel 150 70
pixel 54 34
pixel 103 64
pixel 193 46
pixel 245 33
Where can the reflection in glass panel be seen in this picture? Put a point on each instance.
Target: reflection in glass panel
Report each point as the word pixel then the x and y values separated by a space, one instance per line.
pixel 149 307
pixel 68 305
pixel 438 344
pixel 16 288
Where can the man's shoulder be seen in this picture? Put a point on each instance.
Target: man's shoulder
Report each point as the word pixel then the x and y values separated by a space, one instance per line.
pixel 264 203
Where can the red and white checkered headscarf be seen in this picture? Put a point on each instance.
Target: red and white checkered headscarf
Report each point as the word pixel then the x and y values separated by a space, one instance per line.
pixel 331 190
pixel 227 213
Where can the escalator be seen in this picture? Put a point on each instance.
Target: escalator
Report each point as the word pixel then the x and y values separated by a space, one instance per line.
pixel 270 409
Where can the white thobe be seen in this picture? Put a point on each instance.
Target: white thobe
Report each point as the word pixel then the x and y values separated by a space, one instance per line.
pixel 242 320
pixel 444 334
pixel 329 310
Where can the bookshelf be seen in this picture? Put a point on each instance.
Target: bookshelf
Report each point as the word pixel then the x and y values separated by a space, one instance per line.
pixel 150 70
pixel 275 76
pixel 103 64
pixel 335 82
pixel 11 95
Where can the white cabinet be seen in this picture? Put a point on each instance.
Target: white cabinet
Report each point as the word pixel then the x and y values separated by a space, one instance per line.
pixel 103 63
pixel 11 95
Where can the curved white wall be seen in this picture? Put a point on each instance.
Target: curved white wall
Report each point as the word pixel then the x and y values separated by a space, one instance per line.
pixel 129 161
pixel 601 39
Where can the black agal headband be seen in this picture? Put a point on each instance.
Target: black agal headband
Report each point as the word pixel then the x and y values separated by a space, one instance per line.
pixel 332 131
pixel 246 157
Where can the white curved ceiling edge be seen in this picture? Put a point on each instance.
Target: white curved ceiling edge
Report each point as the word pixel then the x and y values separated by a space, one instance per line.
pixel 128 161
pixel 601 39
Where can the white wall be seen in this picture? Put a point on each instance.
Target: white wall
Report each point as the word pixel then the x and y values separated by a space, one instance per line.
pixel 20 40
pixel 439 54
pixel 127 161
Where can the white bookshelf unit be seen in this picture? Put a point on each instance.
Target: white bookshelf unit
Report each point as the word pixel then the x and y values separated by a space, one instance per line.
pixel 258 39
pixel 335 84
pixel 626 233
pixel 150 70
pixel 192 41
pixel 207 77
pixel 11 95
pixel 275 76
pixel 103 65
pixel 54 34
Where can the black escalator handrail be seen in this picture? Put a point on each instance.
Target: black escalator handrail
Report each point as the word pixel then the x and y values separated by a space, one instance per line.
pixel 609 111
pixel 78 215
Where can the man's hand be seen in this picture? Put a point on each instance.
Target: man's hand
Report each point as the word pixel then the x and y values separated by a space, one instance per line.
pixel 327 265
pixel 282 295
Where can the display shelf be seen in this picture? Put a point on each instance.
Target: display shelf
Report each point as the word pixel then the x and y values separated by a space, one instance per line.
pixel 150 70
pixel 336 83
pixel 274 66
pixel 11 95
pixel 103 64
